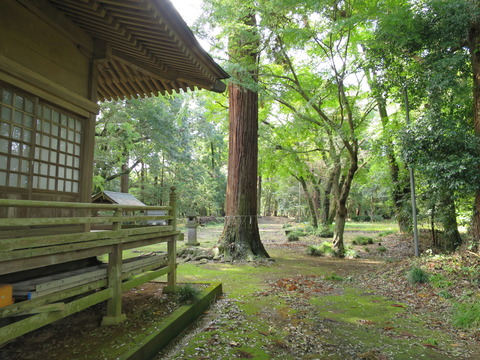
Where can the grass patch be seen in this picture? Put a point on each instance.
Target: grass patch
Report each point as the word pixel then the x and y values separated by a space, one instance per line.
pixel 334 277
pixel 187 294
pixel 386 233
pixel 466 315
pixel 324 249
pixel 362 240
pixel 365 226
pixel 417 275
pixel 439 281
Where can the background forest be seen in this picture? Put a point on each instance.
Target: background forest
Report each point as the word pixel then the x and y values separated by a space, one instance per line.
pixel 353 97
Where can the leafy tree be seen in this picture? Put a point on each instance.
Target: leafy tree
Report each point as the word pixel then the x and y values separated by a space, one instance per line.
pixel 430 47
pixel 161 142
pixel 323 92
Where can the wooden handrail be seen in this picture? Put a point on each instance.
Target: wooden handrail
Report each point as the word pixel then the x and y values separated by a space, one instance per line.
pixel 76 205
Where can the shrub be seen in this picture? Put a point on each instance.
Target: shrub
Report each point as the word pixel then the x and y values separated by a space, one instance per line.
pixel 293 236
pixel 187 293
pixel 466 315
pixel 417 276
pixel 327 249
pixel 314 250
pixel 324 249
pixel 382 249
pixel 333 277
pixel 362 240
pixel 286 226
pixel 351 254
pixel 324 232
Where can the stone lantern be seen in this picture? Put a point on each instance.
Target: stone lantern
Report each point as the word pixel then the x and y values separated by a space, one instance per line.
pixel 192 224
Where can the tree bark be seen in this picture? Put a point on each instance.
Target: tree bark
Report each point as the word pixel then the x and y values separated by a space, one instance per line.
pixel 259 196
pixel 311 205
pixel 451 236
pixel 474 47
pixel 341 201
pixel 241 237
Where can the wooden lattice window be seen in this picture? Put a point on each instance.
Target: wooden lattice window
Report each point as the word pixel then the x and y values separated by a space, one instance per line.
pixel 40 144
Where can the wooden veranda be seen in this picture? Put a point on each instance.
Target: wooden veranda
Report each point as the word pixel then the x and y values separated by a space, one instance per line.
pixel 58 59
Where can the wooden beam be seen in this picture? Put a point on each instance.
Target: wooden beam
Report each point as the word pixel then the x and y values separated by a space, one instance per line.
pixel 28 80
pixel 31 323
pixel 160 71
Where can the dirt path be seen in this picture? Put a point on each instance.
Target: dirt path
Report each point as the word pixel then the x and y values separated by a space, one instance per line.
pixel 303 307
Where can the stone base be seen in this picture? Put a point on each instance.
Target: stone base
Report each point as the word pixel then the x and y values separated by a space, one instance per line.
pixel 113 320
pixel 196 243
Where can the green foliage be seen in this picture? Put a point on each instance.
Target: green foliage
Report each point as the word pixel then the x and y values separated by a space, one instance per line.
pixel 160 142
pixel 385 233
pixel 351 253
pixel 286 226
pixel 466 315
pixel 445 294
pixel 362 240
pixel 187 293
pixel 324 231
pixel 314 250
pixel 382 249
pixel 324 249
pixel 439 281
pixel 417 275
pixel 334 277
pixel 293 236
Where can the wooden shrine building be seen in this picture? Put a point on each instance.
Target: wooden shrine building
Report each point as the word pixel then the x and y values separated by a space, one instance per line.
pixel 58 59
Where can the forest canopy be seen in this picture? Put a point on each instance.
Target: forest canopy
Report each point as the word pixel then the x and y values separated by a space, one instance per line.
pixel 351 95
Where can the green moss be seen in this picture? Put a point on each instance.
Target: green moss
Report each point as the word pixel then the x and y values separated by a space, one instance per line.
pixel 378 322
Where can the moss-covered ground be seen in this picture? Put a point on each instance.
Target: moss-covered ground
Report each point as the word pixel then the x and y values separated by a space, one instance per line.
pixel 303 307
pixel 295 306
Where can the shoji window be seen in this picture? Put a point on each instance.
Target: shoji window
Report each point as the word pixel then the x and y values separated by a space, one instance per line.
pixel 40 145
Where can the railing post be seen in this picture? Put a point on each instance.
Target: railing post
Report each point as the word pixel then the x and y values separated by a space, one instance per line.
pixel 114 304
pixel 172 244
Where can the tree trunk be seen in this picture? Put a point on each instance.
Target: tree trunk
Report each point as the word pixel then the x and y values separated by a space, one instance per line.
pixel 451 236
pixel 474 46
pixel 241 238
pixel 325 214
pixel 311 205
pixel 259 196
pixel 341 202
pixel 124 179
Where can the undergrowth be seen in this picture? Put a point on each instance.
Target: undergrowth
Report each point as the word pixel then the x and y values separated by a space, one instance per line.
pixel 417 275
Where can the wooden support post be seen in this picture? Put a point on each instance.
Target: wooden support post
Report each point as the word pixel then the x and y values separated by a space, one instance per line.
pixel 114 305
pixel 172 245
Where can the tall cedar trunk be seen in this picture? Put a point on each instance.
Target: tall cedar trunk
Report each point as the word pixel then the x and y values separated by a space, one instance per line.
pixel 474 45
pixel 241 238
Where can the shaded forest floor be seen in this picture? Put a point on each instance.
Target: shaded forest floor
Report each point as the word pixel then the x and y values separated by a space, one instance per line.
pixel 295 307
